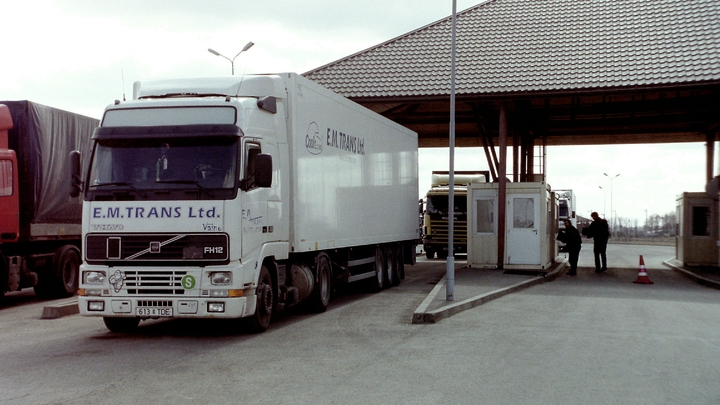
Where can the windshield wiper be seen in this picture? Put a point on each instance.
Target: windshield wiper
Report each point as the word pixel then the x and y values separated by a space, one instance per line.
pixel 195 182
pixel 121 183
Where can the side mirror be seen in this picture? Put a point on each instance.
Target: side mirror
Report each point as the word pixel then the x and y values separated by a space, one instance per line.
pixel 75 175
pixel 263 170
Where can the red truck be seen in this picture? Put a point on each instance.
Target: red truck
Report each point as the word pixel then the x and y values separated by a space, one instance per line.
pixel 40 224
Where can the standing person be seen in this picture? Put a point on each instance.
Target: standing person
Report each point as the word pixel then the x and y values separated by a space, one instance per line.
pixel 573 242
pixel 599 231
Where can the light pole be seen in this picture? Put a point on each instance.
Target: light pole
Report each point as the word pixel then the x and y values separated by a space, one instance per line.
pixel 611 199
pixel 450 265
pixel 232 61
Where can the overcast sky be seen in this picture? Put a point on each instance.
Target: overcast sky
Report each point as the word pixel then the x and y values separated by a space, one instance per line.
pixel 81 55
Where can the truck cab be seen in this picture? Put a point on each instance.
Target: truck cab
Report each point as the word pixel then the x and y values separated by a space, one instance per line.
pixel 435 236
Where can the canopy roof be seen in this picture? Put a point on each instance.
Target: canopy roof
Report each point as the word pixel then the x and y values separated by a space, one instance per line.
pixel 571 72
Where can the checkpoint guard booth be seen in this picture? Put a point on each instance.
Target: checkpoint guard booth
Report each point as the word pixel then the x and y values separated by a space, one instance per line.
pixel 697 233
pixel 531 219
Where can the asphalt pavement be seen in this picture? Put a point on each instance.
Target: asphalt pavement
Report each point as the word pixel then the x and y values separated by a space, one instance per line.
pixel 474 287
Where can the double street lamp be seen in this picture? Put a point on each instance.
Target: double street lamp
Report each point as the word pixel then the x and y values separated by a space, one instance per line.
pixel 232 61
pixel 611 198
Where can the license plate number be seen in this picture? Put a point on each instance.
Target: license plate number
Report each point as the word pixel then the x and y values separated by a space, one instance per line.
pixel 159 312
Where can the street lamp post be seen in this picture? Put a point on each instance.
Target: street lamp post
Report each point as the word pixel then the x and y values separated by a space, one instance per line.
pixel 232 61
pixel 611 199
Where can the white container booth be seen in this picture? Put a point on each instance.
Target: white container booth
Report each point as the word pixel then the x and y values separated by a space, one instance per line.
pixel 530 228
pixel 696 243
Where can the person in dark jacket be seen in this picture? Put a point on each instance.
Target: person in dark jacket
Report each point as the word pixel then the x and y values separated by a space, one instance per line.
pixel 573 243
pixel 599 231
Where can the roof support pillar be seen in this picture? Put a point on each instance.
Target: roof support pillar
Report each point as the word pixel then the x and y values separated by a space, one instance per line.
pixel 518 169
pixel 490 155
pixel 529 143
pixel 502 187
pixel 710 156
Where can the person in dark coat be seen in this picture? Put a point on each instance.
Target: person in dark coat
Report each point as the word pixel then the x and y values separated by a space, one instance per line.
pixel 573 243
pixel 599 231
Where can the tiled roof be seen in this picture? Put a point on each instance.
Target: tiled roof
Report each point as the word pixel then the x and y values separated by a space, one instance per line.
pixel 510 46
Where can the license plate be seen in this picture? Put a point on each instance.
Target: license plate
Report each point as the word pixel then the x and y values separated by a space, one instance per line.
pixel 155 312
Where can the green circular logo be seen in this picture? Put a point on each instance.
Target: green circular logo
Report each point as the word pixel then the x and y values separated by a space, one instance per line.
pixel 188 282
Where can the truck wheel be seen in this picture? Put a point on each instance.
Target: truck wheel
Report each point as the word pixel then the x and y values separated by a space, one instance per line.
pixel 442 254
pixel 429 253
pixel 379 280
pixel 320 297
pixel 121 325
pixel 399 268
pixel 389 256
pixel 67 270
pixel 265 305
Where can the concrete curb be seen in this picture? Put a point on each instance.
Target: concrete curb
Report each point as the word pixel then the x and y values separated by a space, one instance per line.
pixel 693 276
pixel 421 314
pixel 60 309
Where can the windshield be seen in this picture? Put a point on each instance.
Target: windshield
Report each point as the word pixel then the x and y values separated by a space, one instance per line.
pixel 187 168
pixel 439 204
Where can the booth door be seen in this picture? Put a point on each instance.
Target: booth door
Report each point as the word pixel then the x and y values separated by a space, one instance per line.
pixel 523 234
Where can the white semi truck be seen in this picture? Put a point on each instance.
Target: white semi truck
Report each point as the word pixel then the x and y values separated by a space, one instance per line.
pixel 236 197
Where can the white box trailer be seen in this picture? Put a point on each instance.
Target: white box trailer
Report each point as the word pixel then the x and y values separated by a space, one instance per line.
pixel 235 197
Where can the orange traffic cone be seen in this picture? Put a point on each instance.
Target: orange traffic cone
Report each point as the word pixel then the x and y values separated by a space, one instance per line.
pixel 642 274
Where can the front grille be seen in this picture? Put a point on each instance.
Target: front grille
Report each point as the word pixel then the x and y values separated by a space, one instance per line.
pixel 157 247
pixel 163 282
pixel 439 233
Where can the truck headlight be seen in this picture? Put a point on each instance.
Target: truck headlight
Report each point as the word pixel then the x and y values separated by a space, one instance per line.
pixel 94 277
pixel 221 278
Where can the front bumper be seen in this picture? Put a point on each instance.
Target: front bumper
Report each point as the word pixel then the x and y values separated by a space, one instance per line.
pixel 163 307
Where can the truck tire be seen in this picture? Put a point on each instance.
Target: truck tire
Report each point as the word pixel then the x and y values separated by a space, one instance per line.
pixel 389 256
pixel 378 283
pixel 67 271
pixel 59 280
pixel 121 325
pixel 429 253
pixel 320 296
pixel 264 308
pixel 398 268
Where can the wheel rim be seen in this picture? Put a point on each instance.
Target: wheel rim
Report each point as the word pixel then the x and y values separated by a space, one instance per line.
pixel 389 267
pixel 69 274
pixel 379 276
pixel 324 284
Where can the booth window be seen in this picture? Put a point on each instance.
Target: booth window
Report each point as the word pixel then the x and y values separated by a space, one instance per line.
pixel 523 213
pixel 485 216
pixel 701 221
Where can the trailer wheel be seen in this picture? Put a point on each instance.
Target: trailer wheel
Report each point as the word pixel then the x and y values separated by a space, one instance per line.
pixel 389 255
pixel 121 325
pixel 320 297
pixel 429 253
pixel 379 280
pixel 265 305
pixel 67 270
